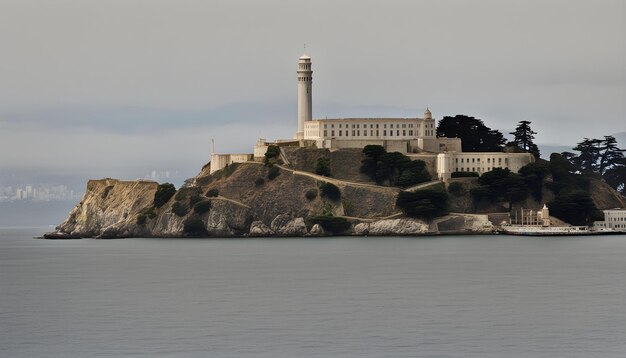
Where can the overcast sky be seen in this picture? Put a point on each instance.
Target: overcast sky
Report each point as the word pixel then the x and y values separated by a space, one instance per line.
pixel 115 87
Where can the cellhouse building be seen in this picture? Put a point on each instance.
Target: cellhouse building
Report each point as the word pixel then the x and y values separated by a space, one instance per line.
pixel 414 137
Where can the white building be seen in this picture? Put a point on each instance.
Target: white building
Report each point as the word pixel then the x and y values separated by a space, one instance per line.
pixel 613 219
pixel 415 137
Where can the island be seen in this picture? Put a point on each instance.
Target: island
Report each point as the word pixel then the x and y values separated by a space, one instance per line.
pixel 363 176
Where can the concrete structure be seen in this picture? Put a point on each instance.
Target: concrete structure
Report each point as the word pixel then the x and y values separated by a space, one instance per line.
pixel 305 93
pixel 479 162
pixel 613 219
pixel 530 217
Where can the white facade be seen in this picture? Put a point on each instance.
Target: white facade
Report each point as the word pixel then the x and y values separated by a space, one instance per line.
pixel 613 219
pixel 305 93
pixel 221 161
pixel 479 162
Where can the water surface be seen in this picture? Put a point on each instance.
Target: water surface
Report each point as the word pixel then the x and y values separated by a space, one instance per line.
pixel 474 296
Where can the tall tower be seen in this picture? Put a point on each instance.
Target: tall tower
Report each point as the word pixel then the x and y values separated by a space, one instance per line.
pixel 305 93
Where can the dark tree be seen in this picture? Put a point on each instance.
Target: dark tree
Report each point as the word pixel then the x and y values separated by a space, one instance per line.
pixel 534 174
pixel 524 138
pixel 394 167
pixel 163 194
pixel 575 207
pixel 475 136
pixel 330 191
pixel 616 176
pixel 426 203
pixel 202 207
pixel 323 167
pixel 333 224
pixel 610 154
pixel 587 161
pixel 500 184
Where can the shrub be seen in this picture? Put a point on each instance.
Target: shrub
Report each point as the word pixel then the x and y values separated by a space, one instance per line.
pixel 456 189
pixel 330 191
pixel 212 193
pixel 273 172
pixel 179 209
pixel 202 207
pixel 394 167
pixel 141 219
pixel 180 195
pixel 426 203
pixel 273 151
pixel 259 181
pixel 331 223
pixel 575 207
pixel 194 226
pixel 323 167
pixel 464 175
pixel 311 194
pixel 194 199
pixel 163 194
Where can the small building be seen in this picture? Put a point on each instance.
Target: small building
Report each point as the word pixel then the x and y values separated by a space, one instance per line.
pixel 613 219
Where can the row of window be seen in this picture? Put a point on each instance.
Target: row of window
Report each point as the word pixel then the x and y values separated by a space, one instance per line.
pixel 615 219
pixel 474 169
pixel 357 133
pixel 304 79
pixel 358 125
pixel 477 160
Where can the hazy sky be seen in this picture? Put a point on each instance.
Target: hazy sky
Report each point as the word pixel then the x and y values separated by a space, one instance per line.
pixel 114 87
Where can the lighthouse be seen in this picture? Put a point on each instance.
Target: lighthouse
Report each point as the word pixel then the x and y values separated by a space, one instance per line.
pixel 305 93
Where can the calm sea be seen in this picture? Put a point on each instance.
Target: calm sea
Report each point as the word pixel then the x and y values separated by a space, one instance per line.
pixel 475 296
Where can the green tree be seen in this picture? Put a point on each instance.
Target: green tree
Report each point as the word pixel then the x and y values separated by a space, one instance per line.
pixel 534 175
pixel 575 207
pixel 194 226
pixel 524 138
pixel 330 191
pixel 474 134
pixel 395 167
pixel 323 167
pixel 587 160
pixel 202 207
pixel 610 154
pixel 425 203
pixel 163 194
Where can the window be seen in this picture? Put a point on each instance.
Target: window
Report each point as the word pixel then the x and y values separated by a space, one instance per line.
pixel 385 133
pixel 325 125
pixel 325 134
pixel 410 132
pixel 353 132
pixel 404 132
pixel 398 133
pixel 332 133
pixel 385 125
pixel 377 131
pixel 371 133
pixel 340 133
pixel 332 126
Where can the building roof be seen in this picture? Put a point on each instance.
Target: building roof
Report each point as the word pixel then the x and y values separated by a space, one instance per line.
pixel 369 119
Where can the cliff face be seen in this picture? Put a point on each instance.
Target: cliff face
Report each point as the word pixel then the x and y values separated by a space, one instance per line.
pixel 112 208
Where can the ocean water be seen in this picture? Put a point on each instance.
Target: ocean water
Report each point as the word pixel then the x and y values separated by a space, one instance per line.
pixel 473 296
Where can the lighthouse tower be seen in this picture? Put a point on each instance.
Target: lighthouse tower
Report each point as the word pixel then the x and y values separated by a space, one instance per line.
pixel 305 93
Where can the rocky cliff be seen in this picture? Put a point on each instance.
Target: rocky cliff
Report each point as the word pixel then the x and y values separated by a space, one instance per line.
pixel 243 201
